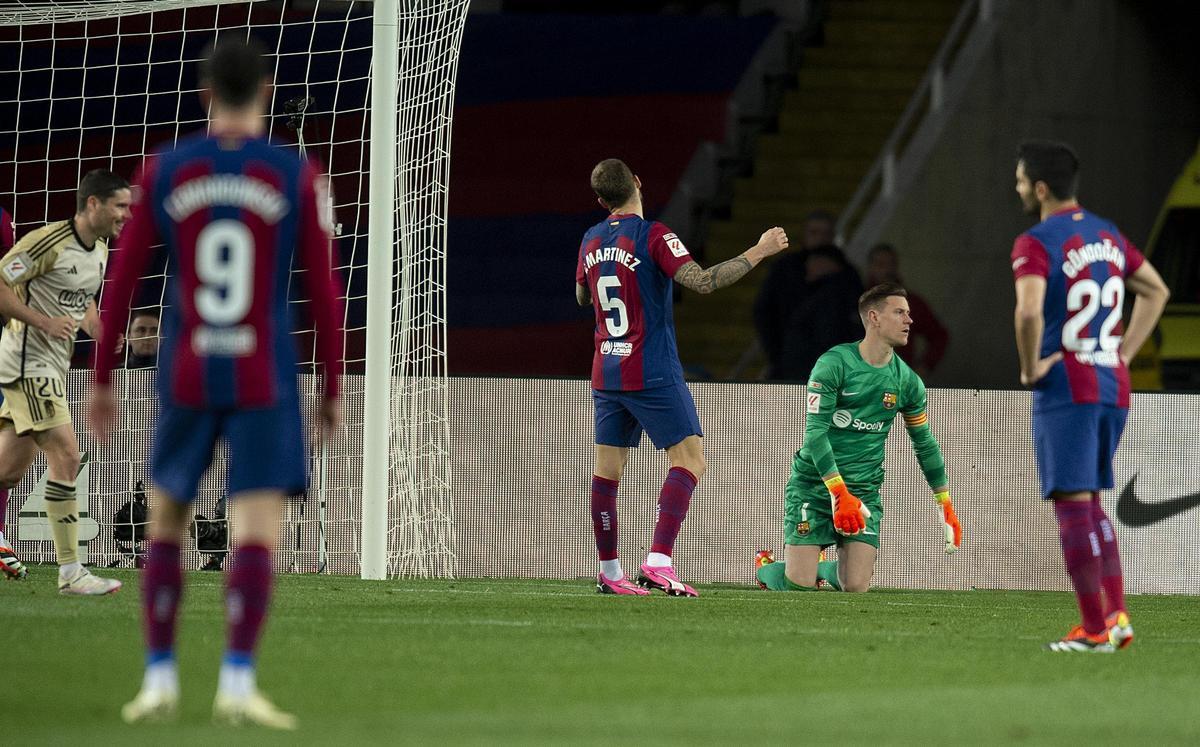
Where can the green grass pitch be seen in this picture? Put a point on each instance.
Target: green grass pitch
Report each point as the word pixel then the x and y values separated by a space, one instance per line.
pixel 522 661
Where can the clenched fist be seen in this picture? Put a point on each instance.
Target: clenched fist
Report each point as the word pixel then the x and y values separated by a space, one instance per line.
pixel 773 241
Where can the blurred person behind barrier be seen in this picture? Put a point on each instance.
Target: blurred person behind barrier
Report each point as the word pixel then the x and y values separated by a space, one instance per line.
pixel 927 343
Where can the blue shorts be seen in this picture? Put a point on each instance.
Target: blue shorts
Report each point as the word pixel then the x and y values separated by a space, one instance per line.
pixel 265 449
pixel 667 413
pixel 1075 446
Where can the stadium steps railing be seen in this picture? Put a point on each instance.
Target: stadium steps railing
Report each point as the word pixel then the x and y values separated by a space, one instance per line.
pixel 831 125
pixel 911 140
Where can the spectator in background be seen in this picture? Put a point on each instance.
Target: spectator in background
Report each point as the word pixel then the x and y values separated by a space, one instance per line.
pixel 928 337
pixel 826 314
pixel 820 228
pixel 785 301
pixel 140 350
pixel 141 347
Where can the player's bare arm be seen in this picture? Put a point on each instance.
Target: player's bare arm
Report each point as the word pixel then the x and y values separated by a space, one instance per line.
pixel 583 296
pixel 703 280
pixel 102 411
pixel 102 404
pixel 11 307
pixel 331 416
pixel 91 320
pixel 1152 295
pixel 707 280
pixel 1028 321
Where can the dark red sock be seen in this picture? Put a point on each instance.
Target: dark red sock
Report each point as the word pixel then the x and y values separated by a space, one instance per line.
pixel 247 595
pixel 604 516
pixel 3 507
pixel 1111 578
pixel 1081 551
pixel 673 504
pixel 162 587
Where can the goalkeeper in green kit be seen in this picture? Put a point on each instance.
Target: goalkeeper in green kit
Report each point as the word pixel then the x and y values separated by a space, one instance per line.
pixel 832 497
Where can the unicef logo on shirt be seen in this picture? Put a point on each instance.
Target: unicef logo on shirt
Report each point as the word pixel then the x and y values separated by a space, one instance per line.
pixel 606 347
pixel 842 418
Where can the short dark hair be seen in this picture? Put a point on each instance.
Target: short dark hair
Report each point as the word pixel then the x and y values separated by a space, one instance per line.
pixel 612 181
pixel 1053 163
pixel 830 252
pixel 98 183
pixel 882 248
pixel 151 312
pixel 877 295
pixel 824 215
pixel 234 69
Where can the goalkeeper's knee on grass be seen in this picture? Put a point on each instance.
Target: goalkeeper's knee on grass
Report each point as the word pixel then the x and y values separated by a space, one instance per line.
pixel 773 576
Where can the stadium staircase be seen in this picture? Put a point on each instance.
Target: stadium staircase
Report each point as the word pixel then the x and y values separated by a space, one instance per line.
pixel 850 90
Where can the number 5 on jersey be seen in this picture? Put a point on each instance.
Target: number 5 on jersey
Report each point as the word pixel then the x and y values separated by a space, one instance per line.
pixel 617 324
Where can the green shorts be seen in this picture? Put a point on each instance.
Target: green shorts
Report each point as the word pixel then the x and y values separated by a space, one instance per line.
pixel 808 515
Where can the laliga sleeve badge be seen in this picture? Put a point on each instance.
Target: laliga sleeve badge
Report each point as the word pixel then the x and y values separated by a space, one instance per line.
pixel 675 245
pixel 16 267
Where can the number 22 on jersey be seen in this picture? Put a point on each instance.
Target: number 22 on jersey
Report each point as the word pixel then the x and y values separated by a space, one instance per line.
pixel 1085 298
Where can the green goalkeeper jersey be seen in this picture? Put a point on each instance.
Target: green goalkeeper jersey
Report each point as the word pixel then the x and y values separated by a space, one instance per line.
pixel 851 405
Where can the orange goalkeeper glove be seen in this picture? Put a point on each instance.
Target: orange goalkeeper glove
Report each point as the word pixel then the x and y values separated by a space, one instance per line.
pixel 849 514
pixel 949 521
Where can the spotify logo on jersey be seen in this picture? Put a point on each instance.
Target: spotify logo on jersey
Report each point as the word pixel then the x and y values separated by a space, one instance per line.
pixel 842 418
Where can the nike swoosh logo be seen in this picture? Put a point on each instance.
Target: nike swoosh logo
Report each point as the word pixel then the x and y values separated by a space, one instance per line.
pixel 848 394
pixel 1135 513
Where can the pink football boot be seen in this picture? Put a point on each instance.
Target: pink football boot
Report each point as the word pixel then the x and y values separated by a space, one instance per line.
pixel 605 585
pixel 664 578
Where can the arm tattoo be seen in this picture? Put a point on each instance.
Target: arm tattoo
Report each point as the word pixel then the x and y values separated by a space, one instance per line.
pixel 722 275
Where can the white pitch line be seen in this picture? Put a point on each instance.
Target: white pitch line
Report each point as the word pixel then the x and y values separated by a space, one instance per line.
pixel 722 596
pixel 650 625
pixel 492 591
pixel 969 606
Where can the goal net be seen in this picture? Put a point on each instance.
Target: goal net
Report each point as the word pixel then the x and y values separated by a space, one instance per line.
pixel 100 84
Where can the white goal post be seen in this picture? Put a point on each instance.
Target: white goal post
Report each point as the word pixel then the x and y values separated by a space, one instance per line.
pixel 99 84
